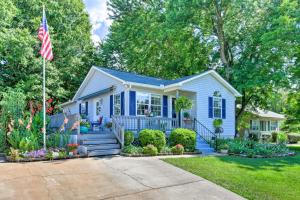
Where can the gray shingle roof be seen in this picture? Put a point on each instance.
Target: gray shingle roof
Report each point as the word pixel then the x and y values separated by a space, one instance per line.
pixel 136 78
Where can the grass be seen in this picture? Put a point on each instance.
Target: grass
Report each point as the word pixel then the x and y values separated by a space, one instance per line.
pixel 252 178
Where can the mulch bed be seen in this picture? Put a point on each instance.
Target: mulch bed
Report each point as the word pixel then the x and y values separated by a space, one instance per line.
pixel 160 154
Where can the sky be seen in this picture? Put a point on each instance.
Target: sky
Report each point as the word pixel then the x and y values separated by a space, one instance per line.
pixel 98 12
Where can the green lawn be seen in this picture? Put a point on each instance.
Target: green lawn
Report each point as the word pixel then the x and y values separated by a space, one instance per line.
pixel 272 178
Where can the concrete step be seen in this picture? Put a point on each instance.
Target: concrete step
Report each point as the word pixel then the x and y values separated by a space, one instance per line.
pixel 104 152
pixel 96 136
pixel 99 141
pixel 102 147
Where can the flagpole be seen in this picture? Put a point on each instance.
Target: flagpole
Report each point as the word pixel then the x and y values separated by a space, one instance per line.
pixel 44 101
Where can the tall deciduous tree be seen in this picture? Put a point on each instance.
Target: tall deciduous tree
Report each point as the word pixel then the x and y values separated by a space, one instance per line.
pixel 254 44
pixel 20 63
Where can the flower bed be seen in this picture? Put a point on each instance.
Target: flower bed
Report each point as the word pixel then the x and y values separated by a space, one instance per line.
pixel 252 149
pixel 29 159
pixel 154 143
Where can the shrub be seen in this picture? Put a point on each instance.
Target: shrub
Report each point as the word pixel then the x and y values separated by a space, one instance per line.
pixel 293 138
pixel 274 136
pixel 130 149
pixel 185 137
pixel 150 150
pixel 166 149
pixel 282 137
pixel 14 154
pixel 154 137
pixel 178 149
pixel 128 138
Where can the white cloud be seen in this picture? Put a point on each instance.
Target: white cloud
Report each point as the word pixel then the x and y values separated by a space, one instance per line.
pixel 99 18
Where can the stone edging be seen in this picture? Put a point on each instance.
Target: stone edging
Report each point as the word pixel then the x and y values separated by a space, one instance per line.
pixel 8 158
pixel 160 154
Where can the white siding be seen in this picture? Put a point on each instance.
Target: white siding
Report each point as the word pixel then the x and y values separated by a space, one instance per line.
pixel 70 108
pixel 205 87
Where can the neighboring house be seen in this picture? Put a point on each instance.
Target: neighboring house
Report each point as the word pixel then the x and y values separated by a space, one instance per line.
pixel 264 122
pixel 106 92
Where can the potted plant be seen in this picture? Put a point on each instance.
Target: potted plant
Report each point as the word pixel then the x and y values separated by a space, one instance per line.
pixel 182 103
pixel 223 148
pixel 217 123
pixel 72 149
pixel 108 125
pixel 84 126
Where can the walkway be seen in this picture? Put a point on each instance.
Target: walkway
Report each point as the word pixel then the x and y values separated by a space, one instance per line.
pixel 105 178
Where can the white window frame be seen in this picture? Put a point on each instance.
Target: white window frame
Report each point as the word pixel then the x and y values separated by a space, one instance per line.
pixel 219 99
pixel 149 105
pixel 255 123
pixel 274 128
pixel 117 105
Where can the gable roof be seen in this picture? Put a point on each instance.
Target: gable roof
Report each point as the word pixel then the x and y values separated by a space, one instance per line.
pixel 152 81
pixel 267 114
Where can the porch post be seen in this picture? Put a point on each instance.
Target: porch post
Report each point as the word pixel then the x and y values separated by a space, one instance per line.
pixel 179 113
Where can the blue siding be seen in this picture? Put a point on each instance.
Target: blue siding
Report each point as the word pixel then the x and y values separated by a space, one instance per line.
pixel 210 107
pixel 165 106
pixel 223 108
pixel 122 103
pixel 111 101
pixel 132 103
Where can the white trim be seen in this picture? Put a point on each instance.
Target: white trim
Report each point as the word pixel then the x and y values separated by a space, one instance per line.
pixel 67 103
pixel 213 73
pixel 149 105
pixel 111 76
pixel 161 87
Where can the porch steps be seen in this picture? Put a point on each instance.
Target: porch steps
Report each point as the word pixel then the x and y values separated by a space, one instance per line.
pixel 99 144
pixel 203 146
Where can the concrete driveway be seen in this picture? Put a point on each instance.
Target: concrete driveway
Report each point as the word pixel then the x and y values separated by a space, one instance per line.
pixel 105 178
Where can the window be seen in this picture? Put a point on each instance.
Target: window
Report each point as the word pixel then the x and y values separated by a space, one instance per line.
pixel 82 108
pixel 254 125
pixel 99 105
pixel 263 125
pixel 117 104
pixel 156 105
pixel 217 105
pixel 148 103
pixel 274 125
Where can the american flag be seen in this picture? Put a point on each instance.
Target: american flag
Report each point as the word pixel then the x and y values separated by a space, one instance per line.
pixel 46 49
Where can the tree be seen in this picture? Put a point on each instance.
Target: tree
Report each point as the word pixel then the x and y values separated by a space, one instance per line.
pixel 20 62
pixel 253 44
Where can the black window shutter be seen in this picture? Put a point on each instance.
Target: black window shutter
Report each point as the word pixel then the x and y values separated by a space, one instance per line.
pixel 223 108
pixel 87 108
pixel 210 107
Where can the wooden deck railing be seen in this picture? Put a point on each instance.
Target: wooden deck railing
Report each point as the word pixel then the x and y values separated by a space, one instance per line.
pixel 137 123
pixel 118 130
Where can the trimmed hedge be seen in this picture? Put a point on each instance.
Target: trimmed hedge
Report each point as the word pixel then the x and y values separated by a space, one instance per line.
pixel 293 138
pixel 185 137
pixel 128 138
pixel 154 137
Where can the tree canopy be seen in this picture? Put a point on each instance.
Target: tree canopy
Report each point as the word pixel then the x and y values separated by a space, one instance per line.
pixel 254 44
pixel 20 62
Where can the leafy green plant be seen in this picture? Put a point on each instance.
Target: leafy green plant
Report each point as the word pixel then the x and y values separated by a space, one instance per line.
pixel 14 139
pixel 49 155
pixel 274 136
pixel 14 154
pixel 217 123
pixel 154 137
pixel 131 149
pixel 128 138
pixel 186 115
pixel 150 150
pixel 183 103
pixel 177 149
pixel 282 137
pixel 85 123
pixel 62 154
pixel 166 149
pixel 293 138
pixel 185 137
